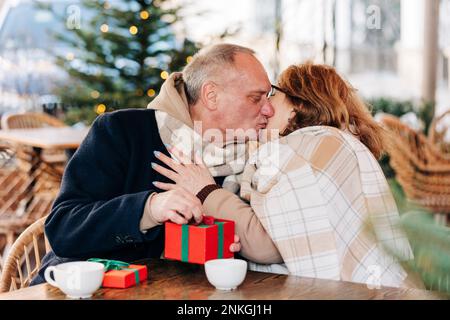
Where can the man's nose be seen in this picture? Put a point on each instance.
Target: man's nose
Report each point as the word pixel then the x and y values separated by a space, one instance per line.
pixel 267 109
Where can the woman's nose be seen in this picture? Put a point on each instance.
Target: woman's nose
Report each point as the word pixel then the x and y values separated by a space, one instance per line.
pixel 267 110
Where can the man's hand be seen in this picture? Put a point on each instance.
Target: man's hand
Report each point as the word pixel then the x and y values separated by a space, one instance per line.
pixel 180 206
pixel 176 205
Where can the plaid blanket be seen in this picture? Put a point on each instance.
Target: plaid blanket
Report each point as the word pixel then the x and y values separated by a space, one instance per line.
pixel 323 199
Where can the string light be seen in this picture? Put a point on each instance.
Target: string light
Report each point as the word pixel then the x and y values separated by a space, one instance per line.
pixel 70 56
pixel 95 94
pixel 189 59
pixel 144 15
pixel 101 108
pixel 104 28
pixel 164 75
pixel 151 93
pixel 133 30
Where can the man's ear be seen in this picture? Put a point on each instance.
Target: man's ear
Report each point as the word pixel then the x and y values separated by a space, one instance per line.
pixel 209 95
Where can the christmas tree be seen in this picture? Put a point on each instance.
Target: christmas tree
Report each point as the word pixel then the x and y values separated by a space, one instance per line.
pixel 123 52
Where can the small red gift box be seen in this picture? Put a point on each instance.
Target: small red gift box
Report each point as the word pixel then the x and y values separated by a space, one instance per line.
pixel 199 243
pixel 125 278
pixel 119 274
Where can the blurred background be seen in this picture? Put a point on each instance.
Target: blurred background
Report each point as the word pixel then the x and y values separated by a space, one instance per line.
pixel 72 60
pixel 102 55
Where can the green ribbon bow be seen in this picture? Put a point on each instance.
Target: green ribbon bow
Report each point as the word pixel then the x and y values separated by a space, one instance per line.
pixel 185 240
pixel 116 265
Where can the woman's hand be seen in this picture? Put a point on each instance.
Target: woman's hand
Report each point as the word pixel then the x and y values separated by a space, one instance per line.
pixel 236 245
pixel 187 175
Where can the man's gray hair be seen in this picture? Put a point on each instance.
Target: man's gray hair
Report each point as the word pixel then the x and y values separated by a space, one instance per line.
pixel 207 64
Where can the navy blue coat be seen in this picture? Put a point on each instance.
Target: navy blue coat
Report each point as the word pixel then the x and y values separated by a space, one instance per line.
pixel 103 193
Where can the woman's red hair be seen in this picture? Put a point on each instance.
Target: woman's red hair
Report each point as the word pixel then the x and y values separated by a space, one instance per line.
pixel 321 97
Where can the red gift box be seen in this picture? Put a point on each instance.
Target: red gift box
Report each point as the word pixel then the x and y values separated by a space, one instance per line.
pixel 126 277
pixel 199 243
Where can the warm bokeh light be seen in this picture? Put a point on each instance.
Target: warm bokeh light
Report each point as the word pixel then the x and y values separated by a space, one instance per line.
pixel 151 93
pixel 164 75
pixel 189 59
pixel 144 15
pixel 133 30
pixel 104 28
pixel 95 94
pixel 70 56
pixel 101 108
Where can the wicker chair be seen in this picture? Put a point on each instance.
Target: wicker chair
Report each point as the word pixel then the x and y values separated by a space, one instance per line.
pixel 30 120
pixel 6 155
pixel 15 216
pixel 24 260
pixel 34 120
pixel 52 167
pixel 18 207
pixel 438 131
pixel 421 168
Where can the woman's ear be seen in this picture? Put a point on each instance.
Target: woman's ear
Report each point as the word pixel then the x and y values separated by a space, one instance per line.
pixel 292 115
pixel 209 95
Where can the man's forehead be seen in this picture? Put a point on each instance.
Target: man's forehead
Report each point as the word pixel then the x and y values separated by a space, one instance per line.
pixel 250 64
pixel 246 75
pixel 257 86
pixel 249 86
pixel 250 81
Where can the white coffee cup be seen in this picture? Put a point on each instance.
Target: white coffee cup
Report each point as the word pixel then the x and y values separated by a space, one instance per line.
pixel 78 280
pixel 226 274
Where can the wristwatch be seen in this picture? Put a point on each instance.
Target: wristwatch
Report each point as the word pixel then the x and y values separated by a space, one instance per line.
pixel 204 193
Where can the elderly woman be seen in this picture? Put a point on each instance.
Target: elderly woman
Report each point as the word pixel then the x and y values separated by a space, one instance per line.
pixel 317 188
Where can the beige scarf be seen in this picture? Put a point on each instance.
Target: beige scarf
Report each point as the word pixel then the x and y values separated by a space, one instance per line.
pixel 177 129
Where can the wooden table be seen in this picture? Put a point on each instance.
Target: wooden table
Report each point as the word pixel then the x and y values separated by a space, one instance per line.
pixel 65 138
pixel 171 280
pixel 46 138
pixel 37 175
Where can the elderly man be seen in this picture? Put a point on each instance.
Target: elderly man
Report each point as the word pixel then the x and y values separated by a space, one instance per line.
pixel 108 206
